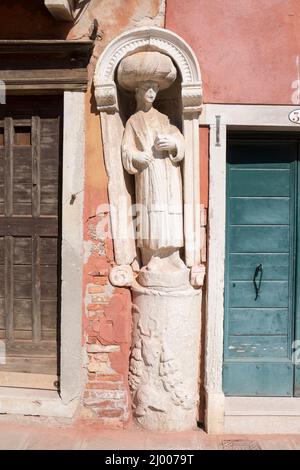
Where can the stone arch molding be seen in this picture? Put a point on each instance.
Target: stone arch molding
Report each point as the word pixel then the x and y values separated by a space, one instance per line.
pixel 141 39
pixel 169 43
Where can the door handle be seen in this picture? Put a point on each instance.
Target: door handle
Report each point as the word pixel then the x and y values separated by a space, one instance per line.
pixel 257 273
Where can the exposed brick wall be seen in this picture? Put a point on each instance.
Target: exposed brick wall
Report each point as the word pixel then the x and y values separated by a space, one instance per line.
pixel 107 329
pixel 107 346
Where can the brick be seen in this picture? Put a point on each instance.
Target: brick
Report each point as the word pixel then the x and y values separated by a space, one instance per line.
pixel 96 289
pixel 109 378
pixel 101 281
pixel 95 307
pixel 100 298
pixel 107 404
pixel 113 404
pixel 100 348
pixel 98 366
pixel 91 401
pixel 103 395
pixel 104 399
pixel 105 385
pixel 110 413
pixel 93 316
pixel 102 357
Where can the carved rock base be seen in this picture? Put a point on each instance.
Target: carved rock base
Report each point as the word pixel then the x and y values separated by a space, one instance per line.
pixel 164 366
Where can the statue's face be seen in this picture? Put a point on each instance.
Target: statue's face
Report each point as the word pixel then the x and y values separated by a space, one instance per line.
pixel 147 91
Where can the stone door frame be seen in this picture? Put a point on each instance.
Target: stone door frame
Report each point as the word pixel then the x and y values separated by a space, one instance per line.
pixel 235 414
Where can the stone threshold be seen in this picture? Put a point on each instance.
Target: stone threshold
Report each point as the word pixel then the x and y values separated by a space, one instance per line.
pixel 262 415
pixel 35 402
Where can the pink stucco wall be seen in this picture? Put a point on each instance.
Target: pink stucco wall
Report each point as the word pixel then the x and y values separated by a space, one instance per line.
pixel 247 49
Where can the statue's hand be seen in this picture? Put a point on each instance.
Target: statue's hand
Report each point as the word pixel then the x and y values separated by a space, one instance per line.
pixel 141 161
pixel 165 143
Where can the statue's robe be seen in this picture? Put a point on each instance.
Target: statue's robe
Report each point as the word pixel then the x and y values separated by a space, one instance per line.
pixel 158 187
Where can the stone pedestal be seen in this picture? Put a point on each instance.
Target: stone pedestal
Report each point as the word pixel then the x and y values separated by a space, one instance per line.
pixel 164 366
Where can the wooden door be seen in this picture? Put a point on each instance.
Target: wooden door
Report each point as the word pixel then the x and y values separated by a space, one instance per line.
pixel 30 241
pixel 260 267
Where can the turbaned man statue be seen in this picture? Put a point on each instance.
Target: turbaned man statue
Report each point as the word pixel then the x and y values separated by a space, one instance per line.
pixel 152 149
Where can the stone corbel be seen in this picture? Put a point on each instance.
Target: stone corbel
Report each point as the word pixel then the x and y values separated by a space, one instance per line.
pixel 192 98
pixel 106 97
pixel 197 275
pixel 62 10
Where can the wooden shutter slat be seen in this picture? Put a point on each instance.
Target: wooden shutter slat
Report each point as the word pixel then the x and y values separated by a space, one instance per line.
pixel 39 381
pixel 36 184
pixel 26 226
pixel 28 348
pixel 36 290
pixel 8 183
pixel 8 275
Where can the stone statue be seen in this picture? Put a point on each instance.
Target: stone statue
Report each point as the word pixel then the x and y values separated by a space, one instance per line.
pixel 152 150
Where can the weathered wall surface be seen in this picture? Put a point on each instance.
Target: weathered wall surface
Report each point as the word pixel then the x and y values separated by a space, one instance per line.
pixel 106 310
pixel 107 319
pixel 29 19
pixel 248 50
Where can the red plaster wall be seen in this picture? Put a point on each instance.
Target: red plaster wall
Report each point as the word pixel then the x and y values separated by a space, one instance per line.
pixel 247 49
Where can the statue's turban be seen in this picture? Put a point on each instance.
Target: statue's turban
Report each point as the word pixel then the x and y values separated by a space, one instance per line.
pixel 146 66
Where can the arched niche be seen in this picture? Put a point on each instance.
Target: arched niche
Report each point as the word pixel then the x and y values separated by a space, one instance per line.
pixel 112 123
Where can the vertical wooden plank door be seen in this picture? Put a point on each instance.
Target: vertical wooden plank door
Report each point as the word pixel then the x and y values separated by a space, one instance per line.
pixel 260 267
pixel 30 241
pixel 296 345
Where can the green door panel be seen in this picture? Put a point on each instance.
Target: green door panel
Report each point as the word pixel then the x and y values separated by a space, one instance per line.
pixel 256 211
pixel 242 266
pixel 258 379
pixel 265 346
pixel 261 186
pixel 258 321
pixel 296 343
pixel 272 294
pixel 260 183
pixel 259 238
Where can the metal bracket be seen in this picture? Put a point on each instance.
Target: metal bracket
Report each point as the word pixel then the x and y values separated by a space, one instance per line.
pixel 218 124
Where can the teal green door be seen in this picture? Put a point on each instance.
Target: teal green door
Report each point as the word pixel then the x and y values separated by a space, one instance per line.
pixel 261 320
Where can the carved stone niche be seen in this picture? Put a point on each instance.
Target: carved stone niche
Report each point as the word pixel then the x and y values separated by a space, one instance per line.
pixel 164 272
